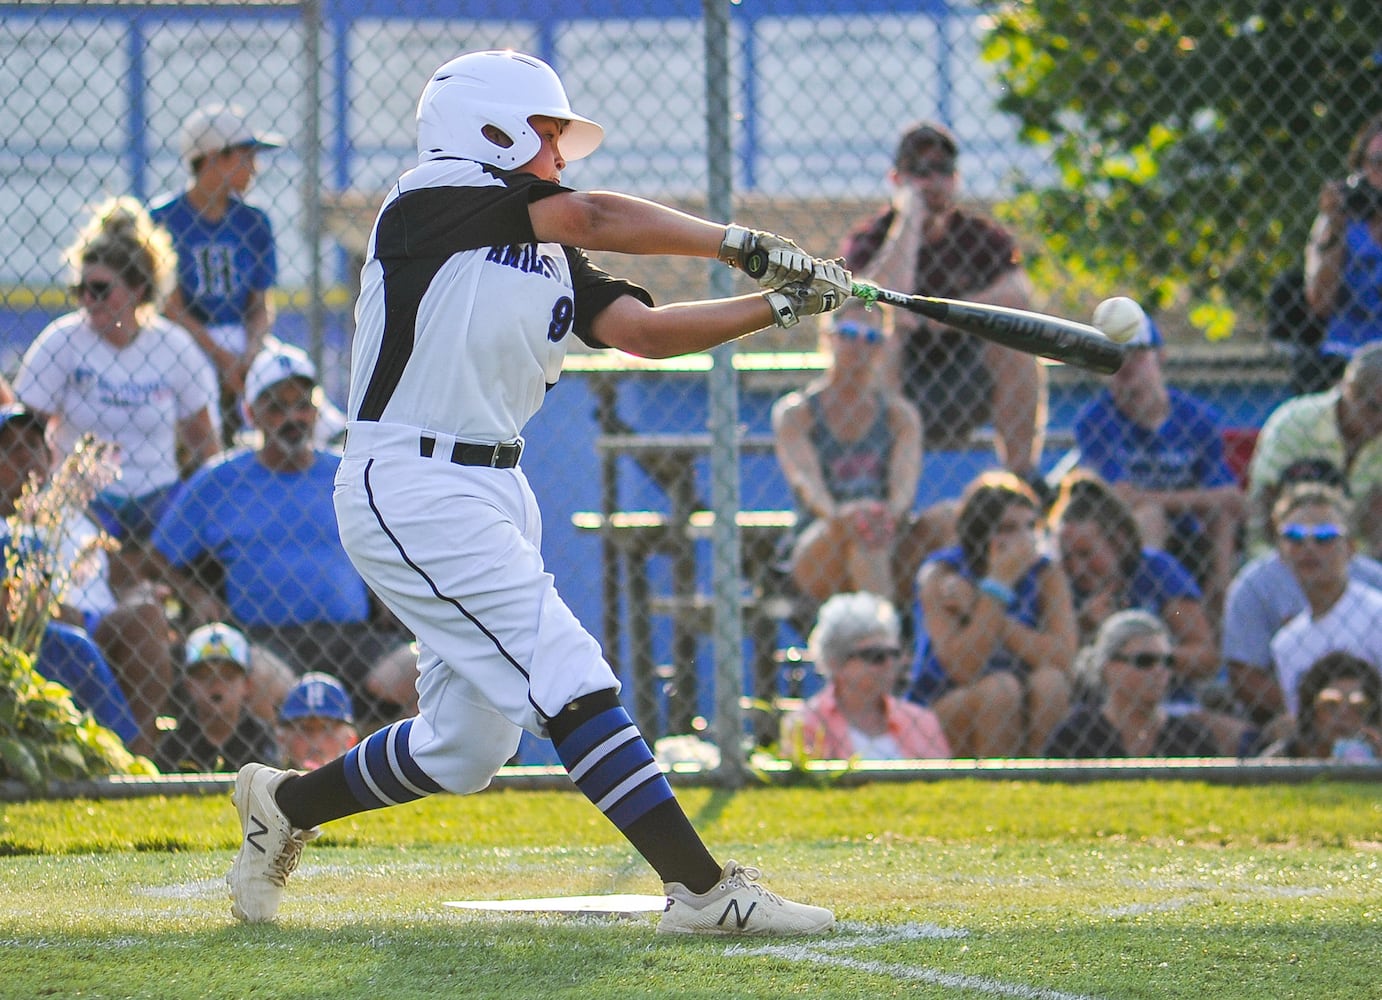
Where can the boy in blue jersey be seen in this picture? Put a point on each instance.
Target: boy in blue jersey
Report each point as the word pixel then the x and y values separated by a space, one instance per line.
pixel 225 247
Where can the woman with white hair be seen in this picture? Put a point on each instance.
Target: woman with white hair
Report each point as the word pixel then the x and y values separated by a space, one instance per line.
pixel 857 644
pixel 1123 673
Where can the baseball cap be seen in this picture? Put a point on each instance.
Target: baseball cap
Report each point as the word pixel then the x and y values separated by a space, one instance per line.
pixel 19 415
pixel 1147 335
pixel 317 694
pixel 274 364
pixel 922 135
pixel 218 127
pixel 1314 470
pixel 217 641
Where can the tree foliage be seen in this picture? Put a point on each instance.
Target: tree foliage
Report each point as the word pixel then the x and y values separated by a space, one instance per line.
pixel 1190 139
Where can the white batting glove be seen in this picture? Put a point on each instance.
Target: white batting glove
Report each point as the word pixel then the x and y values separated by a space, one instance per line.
pixel 829 287
pixel 785 261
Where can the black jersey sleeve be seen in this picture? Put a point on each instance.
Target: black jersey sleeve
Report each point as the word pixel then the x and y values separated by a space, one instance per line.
pixel 441 221
pixel 595 290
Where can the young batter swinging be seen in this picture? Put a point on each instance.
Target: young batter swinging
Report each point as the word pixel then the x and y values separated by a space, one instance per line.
pixel 472 287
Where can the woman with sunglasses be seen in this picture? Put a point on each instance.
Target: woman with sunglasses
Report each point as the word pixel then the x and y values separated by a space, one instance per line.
pixel 1110 570
pixel 856 644
pixel 997 628
pixel 1123 675
pixel 850 449
pixel 117 369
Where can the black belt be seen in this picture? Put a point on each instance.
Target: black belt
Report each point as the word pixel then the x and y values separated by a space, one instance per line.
pixel 495 456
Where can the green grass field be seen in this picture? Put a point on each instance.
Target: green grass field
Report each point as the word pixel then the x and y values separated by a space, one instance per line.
pixel 943 889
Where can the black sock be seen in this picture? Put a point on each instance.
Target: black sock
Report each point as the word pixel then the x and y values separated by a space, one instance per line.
pixel 371 775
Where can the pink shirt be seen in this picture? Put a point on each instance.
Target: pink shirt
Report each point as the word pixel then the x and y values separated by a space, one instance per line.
pixel 823 730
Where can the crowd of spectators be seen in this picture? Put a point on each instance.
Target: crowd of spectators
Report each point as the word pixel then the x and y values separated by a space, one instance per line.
pixel 1151 602
pixel 1156 600
pixel 214 618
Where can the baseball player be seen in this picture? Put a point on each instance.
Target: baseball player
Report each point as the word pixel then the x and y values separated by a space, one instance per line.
pixel 471 292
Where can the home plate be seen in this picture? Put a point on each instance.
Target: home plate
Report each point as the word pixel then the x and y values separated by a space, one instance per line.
pixel 626 903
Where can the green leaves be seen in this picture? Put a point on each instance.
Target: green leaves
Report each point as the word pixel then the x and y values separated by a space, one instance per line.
pixel 1195 136
pixel 44 737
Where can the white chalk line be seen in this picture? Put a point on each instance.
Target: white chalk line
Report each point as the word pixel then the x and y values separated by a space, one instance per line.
pixel 820 953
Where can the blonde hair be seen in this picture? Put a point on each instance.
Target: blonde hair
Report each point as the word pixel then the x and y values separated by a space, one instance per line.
pixel 121 236
pixel 1114 633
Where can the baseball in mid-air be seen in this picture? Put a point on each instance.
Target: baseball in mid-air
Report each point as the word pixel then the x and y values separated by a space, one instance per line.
pixel 1119 318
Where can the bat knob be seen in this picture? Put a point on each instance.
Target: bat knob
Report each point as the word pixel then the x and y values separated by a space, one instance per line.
pixel 756 263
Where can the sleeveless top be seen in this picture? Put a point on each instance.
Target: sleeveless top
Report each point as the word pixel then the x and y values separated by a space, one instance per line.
pixel 853 470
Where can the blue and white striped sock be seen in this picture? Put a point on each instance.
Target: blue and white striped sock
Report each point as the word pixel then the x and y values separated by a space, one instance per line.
pixel 381 770
pixel 611 764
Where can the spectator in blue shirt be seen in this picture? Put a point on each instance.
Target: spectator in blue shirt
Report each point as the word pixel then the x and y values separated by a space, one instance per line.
pixel 1110 570
pixel 225 247
pixel 997 628
pixel 1162 451
pixel 252 538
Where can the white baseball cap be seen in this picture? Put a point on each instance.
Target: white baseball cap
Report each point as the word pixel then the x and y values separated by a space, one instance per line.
pixel 274 364
pixel 217 641
pixel 219 127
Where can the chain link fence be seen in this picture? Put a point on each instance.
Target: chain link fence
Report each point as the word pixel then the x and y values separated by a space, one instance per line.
pixel 698 512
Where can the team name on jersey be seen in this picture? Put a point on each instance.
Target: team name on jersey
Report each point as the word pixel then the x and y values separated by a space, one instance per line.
pixel 524 257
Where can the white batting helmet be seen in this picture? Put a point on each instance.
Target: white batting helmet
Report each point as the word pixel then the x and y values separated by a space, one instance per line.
pixel 502 89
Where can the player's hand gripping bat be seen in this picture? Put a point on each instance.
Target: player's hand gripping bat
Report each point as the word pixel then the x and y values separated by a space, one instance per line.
pixel 1032 332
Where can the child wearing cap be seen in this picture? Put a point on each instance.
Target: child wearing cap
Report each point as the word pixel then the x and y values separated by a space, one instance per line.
pixel 226 258
pixel 216 730
pixel 316 723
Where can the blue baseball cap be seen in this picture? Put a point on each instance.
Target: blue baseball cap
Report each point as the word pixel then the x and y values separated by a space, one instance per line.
pixel 317 695
pixel 1147 335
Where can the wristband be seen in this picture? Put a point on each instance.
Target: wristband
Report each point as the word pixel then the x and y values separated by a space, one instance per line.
pixel 734 245
pixel 783 313
pixel 998 590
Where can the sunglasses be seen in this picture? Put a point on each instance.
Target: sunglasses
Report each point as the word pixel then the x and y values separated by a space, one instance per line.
pixel 1147 661
pixel 98 290
pixel 853 331
pixel 875 656
pixel 930 168
pixel 1320 534
pixel 1335 697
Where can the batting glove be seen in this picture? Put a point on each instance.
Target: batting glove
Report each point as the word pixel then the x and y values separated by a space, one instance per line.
pixel 781 259
pixel 829 287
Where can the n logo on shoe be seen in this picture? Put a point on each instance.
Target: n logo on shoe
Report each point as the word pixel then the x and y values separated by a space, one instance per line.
pixel 740 919
pixel 259 830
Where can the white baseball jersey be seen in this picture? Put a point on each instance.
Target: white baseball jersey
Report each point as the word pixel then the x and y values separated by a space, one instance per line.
pixel 463 318
pixel 462 325
pixel 1351 625
pixel 134 396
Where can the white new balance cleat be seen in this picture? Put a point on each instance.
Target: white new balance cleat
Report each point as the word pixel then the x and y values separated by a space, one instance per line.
pixel 271 847
pixel 737 904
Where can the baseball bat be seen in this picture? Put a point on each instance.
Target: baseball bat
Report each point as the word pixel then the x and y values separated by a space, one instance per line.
pixel 1031 332
pixel 1035 333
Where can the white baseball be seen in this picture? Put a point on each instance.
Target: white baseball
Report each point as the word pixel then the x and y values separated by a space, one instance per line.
pixel 1119 318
